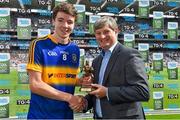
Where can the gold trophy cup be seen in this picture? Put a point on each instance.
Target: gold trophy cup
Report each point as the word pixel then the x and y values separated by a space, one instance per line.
pixel 87 78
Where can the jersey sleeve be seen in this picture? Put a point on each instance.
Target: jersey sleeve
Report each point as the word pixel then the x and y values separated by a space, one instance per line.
pixel 35 60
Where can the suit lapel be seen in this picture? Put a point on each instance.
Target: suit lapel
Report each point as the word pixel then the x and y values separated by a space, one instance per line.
pixel 111 62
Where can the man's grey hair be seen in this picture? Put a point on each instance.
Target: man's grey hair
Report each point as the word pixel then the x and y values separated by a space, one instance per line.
pixel 105 20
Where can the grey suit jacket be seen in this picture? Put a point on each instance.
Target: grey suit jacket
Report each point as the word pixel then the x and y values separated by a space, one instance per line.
pixel 127 84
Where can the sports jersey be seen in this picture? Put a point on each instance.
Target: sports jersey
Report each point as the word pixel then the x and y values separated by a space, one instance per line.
pixel 59 65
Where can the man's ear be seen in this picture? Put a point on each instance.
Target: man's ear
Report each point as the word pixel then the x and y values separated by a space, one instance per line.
pixel 117 30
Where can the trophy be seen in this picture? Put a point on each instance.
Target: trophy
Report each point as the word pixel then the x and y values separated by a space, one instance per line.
pixel 87 78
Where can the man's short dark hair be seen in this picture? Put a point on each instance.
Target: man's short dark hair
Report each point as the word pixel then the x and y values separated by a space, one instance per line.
pixel 66 8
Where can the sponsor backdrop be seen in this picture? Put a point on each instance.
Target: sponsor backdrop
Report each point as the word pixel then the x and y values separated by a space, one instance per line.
pixel 151 26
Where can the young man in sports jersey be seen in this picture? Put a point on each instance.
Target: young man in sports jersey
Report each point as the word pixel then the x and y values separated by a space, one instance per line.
pixel 52 67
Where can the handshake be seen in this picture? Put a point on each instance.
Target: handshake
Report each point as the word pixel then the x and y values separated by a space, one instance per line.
pixel 77 103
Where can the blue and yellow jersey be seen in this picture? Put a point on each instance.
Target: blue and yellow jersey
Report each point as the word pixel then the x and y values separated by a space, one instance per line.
pixel 59 65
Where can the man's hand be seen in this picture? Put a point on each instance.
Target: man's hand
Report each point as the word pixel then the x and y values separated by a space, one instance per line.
pixel 99 92
pixel 77 103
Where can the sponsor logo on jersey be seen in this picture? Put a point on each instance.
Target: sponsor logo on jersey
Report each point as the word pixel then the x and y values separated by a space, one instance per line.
pixel 61 75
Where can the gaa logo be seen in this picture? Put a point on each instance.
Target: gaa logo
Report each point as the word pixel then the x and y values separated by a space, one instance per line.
pixel 52 53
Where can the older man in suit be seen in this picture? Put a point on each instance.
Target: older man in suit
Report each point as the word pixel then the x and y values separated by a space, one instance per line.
pixel 120 80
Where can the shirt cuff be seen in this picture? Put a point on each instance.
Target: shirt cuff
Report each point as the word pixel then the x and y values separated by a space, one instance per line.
pixel 107 94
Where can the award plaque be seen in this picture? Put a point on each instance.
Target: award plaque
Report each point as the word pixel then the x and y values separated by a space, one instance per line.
pixel 87 78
